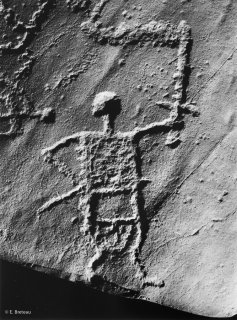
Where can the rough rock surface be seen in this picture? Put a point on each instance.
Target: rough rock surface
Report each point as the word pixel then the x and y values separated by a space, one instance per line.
pixel 118 146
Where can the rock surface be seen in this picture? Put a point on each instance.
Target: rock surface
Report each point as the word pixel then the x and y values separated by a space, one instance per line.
pixel 118 146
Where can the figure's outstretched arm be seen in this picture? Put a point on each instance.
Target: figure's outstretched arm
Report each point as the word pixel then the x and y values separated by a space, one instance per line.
pixel 50 156
pixel 59 199
pixel 164 125
pixel 61 144
pixel 167 124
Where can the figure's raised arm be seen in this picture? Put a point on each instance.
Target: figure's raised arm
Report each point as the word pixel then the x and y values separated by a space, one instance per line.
pixel 162 126
pixel 170 123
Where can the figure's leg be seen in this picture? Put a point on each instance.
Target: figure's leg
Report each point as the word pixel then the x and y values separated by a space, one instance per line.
pixel 90 271
pixel 84 207
pixel 89 230
pixel 137 226
pixel 140 236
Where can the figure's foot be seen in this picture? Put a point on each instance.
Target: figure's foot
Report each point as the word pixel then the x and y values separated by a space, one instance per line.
pixel 153 282
pixel 92 265
pixel 89 274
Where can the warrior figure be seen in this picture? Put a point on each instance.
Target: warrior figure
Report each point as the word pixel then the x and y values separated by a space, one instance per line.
pixel 108 166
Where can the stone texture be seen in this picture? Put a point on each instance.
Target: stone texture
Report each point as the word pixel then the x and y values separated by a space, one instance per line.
pixel 118 156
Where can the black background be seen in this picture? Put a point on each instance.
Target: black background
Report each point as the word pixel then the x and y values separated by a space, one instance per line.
pixel 48 297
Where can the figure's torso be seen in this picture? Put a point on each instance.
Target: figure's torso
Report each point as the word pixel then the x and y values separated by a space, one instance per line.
pixel 107 161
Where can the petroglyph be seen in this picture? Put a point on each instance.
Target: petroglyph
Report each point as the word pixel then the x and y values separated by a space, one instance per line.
pixel 118 209
pixel 28 31
pixel 158 33
pixel 108 161
pixel 108 166
pixel 15 106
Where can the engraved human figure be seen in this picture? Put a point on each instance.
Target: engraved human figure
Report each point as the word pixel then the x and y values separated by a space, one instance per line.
pixel 108 166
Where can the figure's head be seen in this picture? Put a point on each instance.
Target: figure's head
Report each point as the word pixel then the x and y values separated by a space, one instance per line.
pixel 106 103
